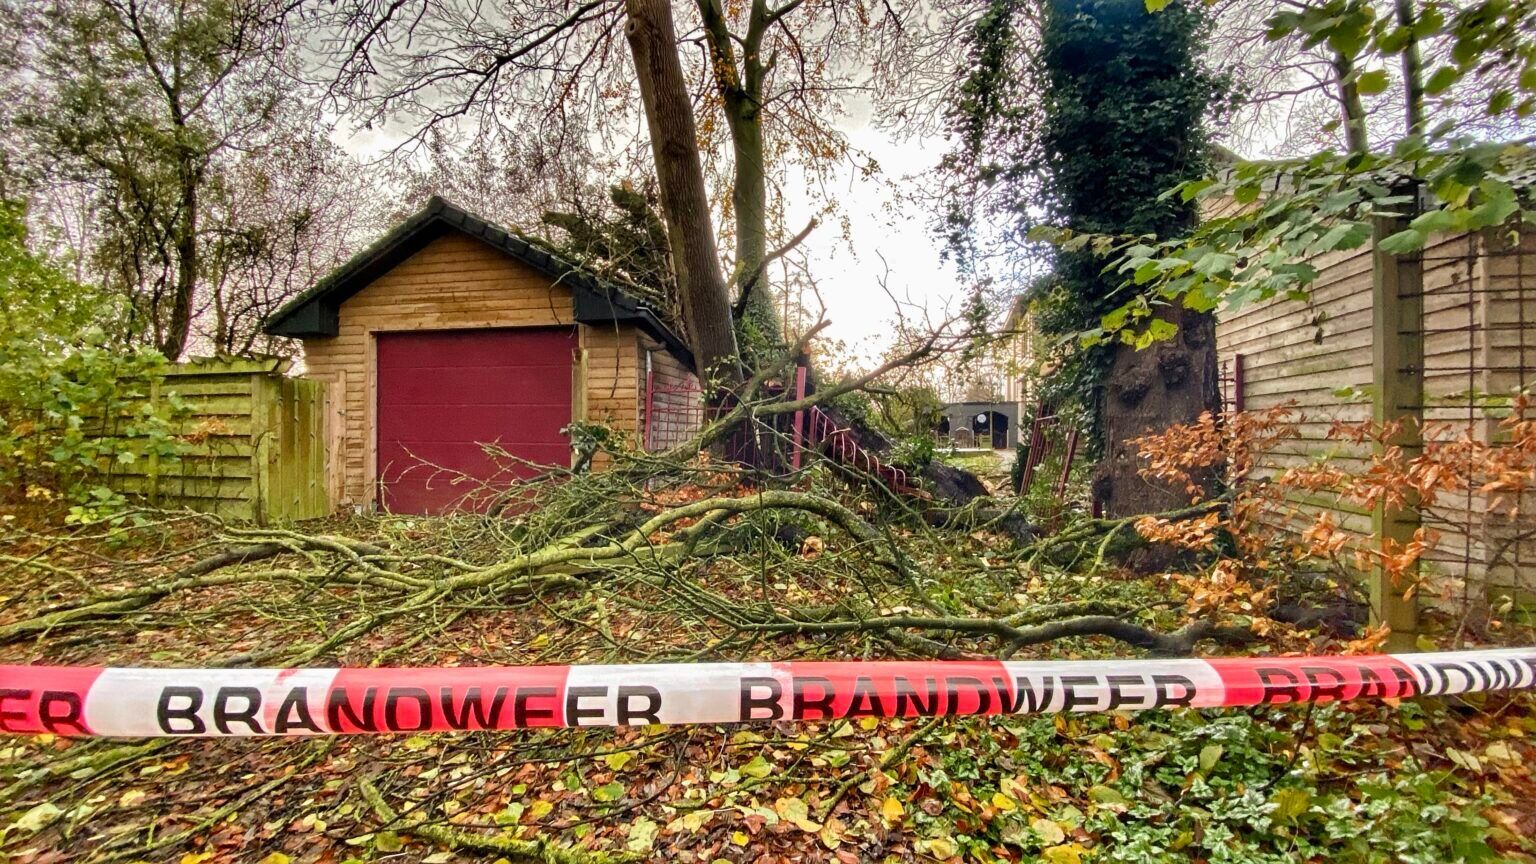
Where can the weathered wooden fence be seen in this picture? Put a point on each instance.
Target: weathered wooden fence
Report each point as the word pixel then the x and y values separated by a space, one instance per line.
pixel 1440 339
pixel 253 442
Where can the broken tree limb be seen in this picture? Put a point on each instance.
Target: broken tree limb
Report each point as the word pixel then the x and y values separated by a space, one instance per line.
pixel 541 851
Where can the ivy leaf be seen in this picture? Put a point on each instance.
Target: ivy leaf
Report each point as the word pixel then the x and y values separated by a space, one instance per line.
pixel 1155 6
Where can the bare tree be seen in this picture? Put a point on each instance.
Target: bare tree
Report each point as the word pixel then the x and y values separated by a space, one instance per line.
pixel 138 98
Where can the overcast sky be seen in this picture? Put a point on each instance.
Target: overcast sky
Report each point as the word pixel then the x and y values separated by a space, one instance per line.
pixel 848 270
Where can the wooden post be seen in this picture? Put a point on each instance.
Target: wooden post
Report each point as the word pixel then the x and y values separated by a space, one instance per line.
pixel 578 393
pixel 261 446
pixel 1397 394
pixel 154 457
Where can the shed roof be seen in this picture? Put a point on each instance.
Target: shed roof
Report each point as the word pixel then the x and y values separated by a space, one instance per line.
pixel 316 311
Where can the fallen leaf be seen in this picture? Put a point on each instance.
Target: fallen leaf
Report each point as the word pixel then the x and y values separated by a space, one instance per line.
pixel 35 819
pixel 1068 854
pixel 795 811
pixel 758 768
pixel 1290 803
pixel 642 835
pixel 941 847
pixel 1210 755
pixel 831 834
pixel 1050 833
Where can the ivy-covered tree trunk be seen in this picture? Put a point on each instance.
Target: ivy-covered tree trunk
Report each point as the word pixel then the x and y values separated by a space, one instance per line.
pixel 1125 103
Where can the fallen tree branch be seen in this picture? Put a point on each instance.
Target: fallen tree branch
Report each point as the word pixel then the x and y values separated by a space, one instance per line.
pixel 541 851
pixel 891 757
pixel 1180 642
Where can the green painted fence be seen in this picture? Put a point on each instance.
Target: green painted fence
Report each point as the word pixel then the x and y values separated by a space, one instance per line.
pixel 253 442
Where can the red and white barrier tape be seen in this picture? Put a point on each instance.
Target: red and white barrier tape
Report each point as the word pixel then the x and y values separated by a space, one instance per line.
pixel 79 700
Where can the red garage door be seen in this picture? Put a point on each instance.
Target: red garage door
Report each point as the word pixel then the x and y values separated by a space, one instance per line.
pixel 442 394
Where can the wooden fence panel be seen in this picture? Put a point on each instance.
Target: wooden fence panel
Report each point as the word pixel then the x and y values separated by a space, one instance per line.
pixel 253 442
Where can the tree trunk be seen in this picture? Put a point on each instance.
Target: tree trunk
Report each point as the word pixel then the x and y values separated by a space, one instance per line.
pixel 684 202
pixel 740 86
pixel 179 329
pixel 1146 392
pixel 1413 69
pixel 1355 137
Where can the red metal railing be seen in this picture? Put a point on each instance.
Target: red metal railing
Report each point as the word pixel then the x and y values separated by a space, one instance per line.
pixel 1045 441
pixel 1233 397
pixel 838 443
pixel 675 409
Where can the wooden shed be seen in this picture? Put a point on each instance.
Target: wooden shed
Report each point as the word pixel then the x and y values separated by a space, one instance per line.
pixel 456 352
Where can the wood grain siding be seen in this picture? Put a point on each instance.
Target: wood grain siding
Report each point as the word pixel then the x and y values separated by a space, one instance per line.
pixel 1479 336
pixel 456 282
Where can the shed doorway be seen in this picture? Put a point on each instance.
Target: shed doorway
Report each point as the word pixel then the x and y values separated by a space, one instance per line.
pixel 444 394
pixel 991 427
